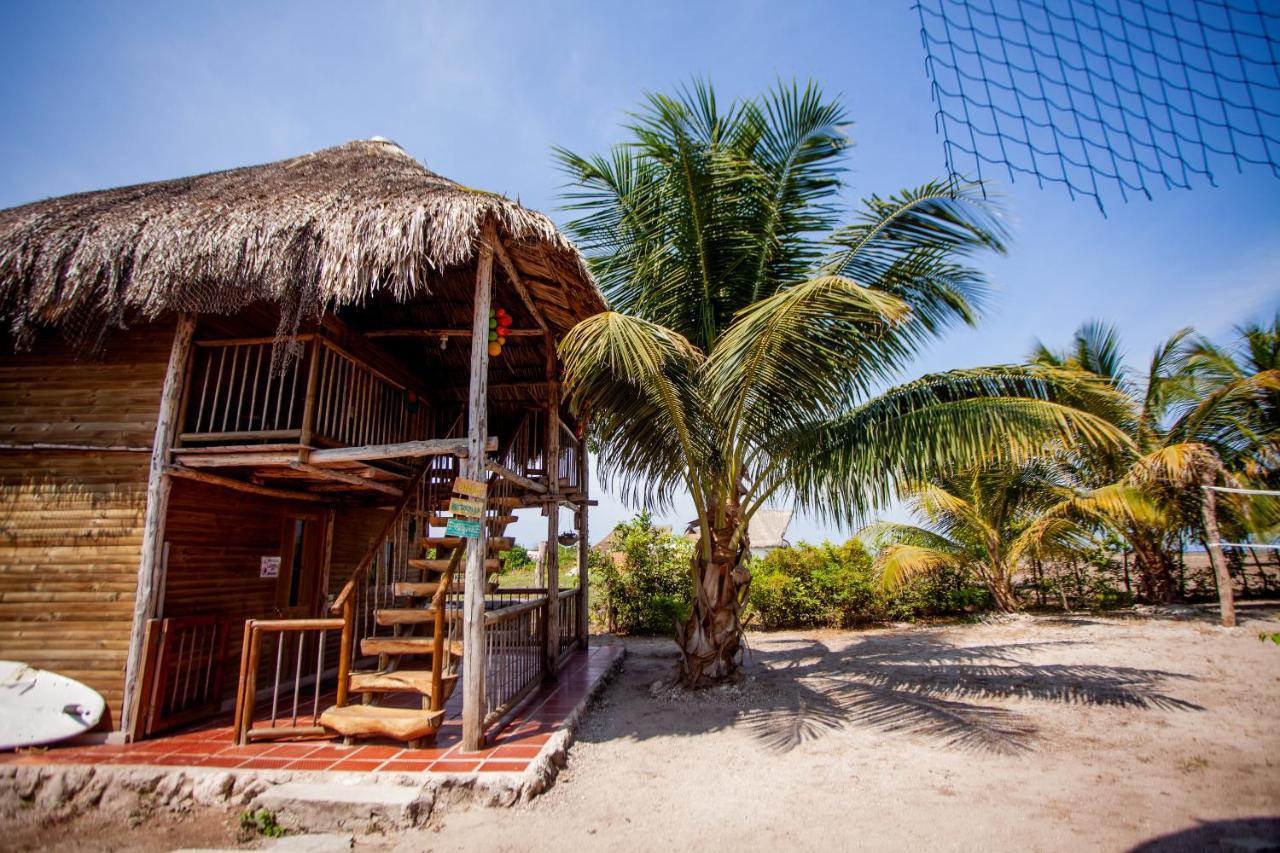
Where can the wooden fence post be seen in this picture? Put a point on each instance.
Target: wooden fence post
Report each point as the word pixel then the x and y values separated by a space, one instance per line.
pixel 146 596
pixel 473 468
pixel 551 659
pixel 584 543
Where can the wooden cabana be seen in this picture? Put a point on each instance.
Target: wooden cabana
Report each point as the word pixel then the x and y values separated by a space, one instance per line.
pixel 233 412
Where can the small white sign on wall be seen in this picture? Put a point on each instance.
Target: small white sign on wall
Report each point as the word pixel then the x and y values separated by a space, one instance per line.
pixel 270 567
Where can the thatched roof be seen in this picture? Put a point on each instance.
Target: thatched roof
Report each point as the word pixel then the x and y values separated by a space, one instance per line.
pixel 316 233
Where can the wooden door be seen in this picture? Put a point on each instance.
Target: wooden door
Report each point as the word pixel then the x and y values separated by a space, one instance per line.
pixel 298 587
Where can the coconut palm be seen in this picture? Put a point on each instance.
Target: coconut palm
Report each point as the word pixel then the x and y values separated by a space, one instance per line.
pixel 750 334
pixel 1197 415
pixel 988 521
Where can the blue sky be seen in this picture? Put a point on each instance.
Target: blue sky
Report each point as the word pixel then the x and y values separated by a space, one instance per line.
pixel 104 94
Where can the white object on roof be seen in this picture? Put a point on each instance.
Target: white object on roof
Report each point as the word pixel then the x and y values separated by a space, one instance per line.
pixel 768 529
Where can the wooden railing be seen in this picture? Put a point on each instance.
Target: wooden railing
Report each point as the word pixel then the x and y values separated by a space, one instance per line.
pixel 567 600
pixel 514 648
pixel 298 647
pixel 568 470
pixel 234 393
pixel 182 677
pixel 326 396
pixel 355 404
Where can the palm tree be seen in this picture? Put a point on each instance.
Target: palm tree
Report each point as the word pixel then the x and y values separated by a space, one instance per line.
pixel 749 334
pixel 1197 416
pixel 990 520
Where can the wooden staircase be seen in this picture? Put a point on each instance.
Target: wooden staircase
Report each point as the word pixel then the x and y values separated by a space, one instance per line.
pixel 421 654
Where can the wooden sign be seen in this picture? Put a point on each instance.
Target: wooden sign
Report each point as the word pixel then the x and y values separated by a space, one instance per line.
pixel 473 488
pixel 465 527
pixel 471 509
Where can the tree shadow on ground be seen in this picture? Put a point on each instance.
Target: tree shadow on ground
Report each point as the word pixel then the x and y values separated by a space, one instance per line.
pixel 801 689
pixel 1256 834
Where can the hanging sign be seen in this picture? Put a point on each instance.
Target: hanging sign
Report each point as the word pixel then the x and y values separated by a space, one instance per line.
pixel 269 567
pixel 472 488
pixel 466 527
pixel 471 509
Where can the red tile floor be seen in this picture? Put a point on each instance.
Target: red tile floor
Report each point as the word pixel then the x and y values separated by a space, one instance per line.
pixel 512 744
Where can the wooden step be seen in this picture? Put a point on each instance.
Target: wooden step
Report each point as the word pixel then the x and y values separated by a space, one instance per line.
pixel 400 681
pixel 496 543
pixel 443 542
pixel 403 646
pixel 425 589
pixel 441 565
pixel 404 616
pixel 400 723
pixel 492 503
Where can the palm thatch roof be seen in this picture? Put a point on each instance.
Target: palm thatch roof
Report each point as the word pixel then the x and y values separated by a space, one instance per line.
pixel 311 234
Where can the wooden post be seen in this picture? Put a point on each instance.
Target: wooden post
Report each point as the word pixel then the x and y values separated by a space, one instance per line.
pixel 309 399
pixel 584 543
pixel 473 670
pixel 1209 513
pixel 146 597
pixel 344 651
pixel 551 659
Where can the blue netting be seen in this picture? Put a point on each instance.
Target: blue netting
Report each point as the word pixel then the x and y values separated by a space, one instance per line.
pixel 1105 95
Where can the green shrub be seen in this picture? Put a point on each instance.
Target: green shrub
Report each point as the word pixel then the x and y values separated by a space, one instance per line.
pixel 517 559
pixel 647 589
pixel 834 586
pixel 810 586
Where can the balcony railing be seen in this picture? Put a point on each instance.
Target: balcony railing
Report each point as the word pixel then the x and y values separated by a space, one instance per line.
pixel 325 397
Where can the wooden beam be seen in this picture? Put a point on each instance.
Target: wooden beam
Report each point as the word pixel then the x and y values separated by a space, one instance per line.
pixel 76 448
pixel 584 547
pixel 456 392
pixel 242 486
pixel 444 333
pixel 350 479
pixel 428 447
pixel 146 596
pixel 473 674
pixel 507 474
pixel 269 459
pixel 516 281
pixel 551 459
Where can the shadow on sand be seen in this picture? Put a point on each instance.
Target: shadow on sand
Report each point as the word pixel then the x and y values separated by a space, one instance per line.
pixel 1251 834
pixel 799 689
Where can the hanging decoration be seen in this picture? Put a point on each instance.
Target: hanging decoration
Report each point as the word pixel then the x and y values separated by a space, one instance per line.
pixel 499 327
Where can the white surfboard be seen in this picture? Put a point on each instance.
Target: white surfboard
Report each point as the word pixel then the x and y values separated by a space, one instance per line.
pixel 39 707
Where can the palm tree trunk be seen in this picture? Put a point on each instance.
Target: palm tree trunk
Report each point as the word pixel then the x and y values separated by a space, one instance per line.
pixel 1000 584
pixel 710 639
pixel 1209 513
pixel 1155 567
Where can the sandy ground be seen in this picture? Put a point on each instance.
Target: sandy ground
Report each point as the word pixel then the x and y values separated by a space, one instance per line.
pixel 1053 734
pixel 1081 733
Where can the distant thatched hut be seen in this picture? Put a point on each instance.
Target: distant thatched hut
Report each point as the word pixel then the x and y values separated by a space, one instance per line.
pixel 245 396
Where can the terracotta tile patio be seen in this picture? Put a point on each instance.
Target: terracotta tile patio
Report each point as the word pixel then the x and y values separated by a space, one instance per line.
pixel 512 745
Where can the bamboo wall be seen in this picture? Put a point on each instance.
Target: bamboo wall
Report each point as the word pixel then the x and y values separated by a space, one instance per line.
pixel 71 522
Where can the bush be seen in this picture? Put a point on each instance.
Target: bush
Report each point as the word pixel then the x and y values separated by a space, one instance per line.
pixel 834 586
pixel 808 586
pixel 517 559
pixel 645 584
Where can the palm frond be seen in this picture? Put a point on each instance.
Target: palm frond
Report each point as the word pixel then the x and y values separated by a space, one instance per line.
pixel 897 563
pixel 638 381
pixel 913 245
pixel 855 463
pixel 806 349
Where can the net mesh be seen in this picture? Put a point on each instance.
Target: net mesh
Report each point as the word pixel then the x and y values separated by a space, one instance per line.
pixel 1109 97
